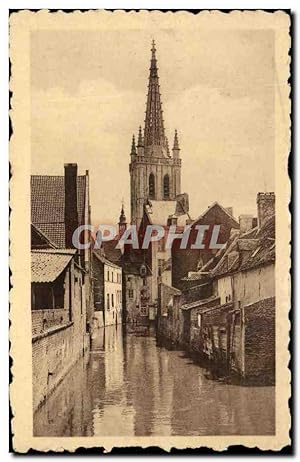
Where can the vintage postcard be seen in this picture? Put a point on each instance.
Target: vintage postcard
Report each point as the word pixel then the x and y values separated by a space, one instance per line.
pixel 150 229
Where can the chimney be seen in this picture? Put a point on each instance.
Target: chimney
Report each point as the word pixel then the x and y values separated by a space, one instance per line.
pixel 246 223
pixel 71 212
pixel 265 206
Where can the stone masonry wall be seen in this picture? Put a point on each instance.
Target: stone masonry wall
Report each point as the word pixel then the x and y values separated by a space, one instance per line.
pixel 259 319
pixel 45 319
pixel 56 349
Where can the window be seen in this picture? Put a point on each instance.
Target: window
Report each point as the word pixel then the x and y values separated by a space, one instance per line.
pixel 151 186
pixel 172 221
pixel 42 297
pixel 112 276
pixel 108 275
pixel 199 320
pixel 112 300
pixel 58 292
pixel 108 301
pixel 166 186
pixel 130 293
pixel 144 310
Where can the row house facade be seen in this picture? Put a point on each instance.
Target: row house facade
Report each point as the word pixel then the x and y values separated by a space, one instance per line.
pixel 225 313
pixel 107 289
pixel 61 311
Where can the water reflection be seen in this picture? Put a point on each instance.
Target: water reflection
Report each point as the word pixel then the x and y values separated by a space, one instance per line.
pixel 129 386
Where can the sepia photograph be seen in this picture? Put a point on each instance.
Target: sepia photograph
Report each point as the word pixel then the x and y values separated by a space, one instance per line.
pixel 149 165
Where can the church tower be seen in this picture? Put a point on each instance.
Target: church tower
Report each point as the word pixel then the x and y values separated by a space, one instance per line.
pixel 155 172
pixel 122 222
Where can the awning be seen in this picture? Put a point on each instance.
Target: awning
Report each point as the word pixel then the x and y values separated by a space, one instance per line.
pixel 47 265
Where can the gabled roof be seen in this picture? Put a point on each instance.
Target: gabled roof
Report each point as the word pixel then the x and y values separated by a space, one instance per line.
pixel 214 262
pixel 104 260
pixel 48 264
pixel 110 251
pixel 234 223
pixel 48 205
pixel 43 239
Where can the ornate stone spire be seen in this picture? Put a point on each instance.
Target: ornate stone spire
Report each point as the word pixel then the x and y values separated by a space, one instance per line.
pixel 122 221
pixel 167 146
pixel 176 144
pixel 140 138
pixel 133 148
pixel 176 147
pixel 154 134
pixel 122 218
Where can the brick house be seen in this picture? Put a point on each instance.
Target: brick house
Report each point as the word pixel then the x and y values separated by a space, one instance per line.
pixel 58 309
pixel 244 282
pixel 228 307
pixel 189 260
pixel 61 277
pixel 59 205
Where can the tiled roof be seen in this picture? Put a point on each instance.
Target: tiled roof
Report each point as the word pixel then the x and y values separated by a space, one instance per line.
pixel 104 260
pixel 110 251
pixel 172 290
pixel 260 245
pixel 43 240
pixel 234 223
pixel 200 303
pixel 215 261
pixel 247 244
pixel 264 253
pixel 48 264
pixel 48 205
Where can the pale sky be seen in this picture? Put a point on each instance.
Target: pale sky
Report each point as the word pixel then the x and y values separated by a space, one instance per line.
pixel 88 93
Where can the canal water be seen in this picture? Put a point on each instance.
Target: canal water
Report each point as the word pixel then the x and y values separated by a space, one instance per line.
pixel 129 386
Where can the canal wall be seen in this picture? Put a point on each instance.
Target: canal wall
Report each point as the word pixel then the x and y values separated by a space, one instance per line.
pixel 232 341
pixel 54 352
pixel 259 344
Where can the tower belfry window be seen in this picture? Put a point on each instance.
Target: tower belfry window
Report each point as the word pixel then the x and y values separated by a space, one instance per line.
pixel 166 186
pixel 151 186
